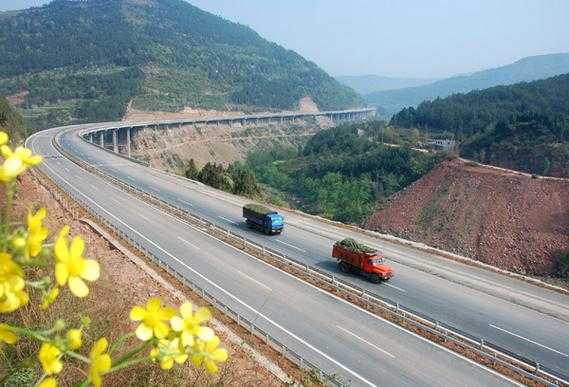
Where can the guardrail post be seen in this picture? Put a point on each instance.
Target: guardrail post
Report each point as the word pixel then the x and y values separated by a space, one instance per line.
pixel 481 343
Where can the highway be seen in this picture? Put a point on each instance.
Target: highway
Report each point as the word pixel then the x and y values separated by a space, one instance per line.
pixel 520 317
pixel 340 337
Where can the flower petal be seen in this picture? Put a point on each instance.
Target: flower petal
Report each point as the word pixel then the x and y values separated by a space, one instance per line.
pixel 91 270
pixel 161 330
pixel 153 304
pixel 137 313
pixel 177 323
pixel 186 309
pixel 61 273
pixel 219 355
pixel 78 287
pixel 205 333
pixel 203 314
pixel 77 246
pixel 144 332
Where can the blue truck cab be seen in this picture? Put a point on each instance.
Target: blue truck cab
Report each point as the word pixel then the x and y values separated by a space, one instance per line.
pixel 263 219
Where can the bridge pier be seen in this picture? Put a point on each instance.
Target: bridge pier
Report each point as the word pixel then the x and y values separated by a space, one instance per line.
pixel 128 150
pixel 102 139
pixel 116 141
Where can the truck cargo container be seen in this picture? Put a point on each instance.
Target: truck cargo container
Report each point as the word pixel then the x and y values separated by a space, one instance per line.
pixel 356 257
pixel 263 219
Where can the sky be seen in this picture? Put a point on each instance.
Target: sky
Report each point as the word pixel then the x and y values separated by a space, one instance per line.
pixel 405 38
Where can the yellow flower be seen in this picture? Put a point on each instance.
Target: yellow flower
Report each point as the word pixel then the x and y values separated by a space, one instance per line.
pixel 71 266
pixel 49 356
pixel 73 338
pixel 48 382
pixel 12 294
pixel 153 318
pixel 11 168
pixel 50 297
pixel 37 233
pixel 207 353
pixel 22 154
pixel 6 335
pixel 168 352
pixel 3 138
pixel 100 361
pixel 189 324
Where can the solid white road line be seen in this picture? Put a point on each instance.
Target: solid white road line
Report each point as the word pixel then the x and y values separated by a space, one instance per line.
pixel 394 287
pixel 144 217
pixel 339 299
pixel 188 243
pixel 254 280
pixel 365 341
pixel 186 202
pixel 289 245
pixel 227 220
pixel 257 312
pixel 528 340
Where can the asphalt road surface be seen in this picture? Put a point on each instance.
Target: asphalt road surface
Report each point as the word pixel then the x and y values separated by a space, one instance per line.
pixel 340 337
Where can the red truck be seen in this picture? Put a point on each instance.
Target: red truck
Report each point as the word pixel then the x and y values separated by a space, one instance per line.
pixel 356 257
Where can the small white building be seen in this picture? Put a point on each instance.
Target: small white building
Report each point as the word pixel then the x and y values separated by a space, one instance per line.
pixel 445 144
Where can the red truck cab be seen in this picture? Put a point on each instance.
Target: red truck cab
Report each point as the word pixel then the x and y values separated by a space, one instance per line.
pixel 370 264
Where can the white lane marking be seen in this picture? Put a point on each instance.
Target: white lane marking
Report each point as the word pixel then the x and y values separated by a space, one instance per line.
pixel 528 340
pixel 188 243
pixel 257 312
pixel 186 202
pixel 365 341
pixel 144 217
pixel 395 287
pixel 341 300
pixel 227 220
pixel 94 188
pixel 116 201
pixel 289 245
pixel 254 280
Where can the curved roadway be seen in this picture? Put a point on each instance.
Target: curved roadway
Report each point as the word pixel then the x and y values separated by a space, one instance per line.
pixel 338 336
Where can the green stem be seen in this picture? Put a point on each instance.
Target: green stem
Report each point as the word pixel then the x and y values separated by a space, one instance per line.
pixel 77 356
pixel 128 364
pixel 130 354
pixel 118 344
pixel 28 332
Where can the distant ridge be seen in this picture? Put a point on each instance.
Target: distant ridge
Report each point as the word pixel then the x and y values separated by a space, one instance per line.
pixel 366 84
pixel 524 70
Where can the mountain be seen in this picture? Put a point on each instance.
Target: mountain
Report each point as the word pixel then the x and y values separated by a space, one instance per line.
pixel 76 61
pixel 524 70
pixel 366 84
pixel 523 126
pixel 12 122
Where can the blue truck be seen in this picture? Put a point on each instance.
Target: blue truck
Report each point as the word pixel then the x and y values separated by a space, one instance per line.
pixel 263 219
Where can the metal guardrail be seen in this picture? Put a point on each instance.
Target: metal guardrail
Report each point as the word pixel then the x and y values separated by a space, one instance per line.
pixel 493 353
pixel 224 308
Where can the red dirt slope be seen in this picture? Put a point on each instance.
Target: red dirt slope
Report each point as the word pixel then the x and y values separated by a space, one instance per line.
pixel 503 219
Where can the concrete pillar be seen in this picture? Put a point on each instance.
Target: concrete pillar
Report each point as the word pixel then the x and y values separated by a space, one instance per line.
pixel 128 150
pixel 116 140
pixel 101 139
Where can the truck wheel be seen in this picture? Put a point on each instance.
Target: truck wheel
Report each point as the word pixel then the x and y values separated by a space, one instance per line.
pixel 345 267
pixel 375 278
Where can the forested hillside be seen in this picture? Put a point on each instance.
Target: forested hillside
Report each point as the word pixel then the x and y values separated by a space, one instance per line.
pixel 523 126
pixel 524 70
pixel 341 173
pixel 12 122
pixel 74 61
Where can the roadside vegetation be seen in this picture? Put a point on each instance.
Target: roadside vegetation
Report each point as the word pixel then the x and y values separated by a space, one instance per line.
pixel 46 291
pixel 340 173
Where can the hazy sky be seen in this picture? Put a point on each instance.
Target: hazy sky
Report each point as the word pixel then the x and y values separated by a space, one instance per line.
pixel 415 38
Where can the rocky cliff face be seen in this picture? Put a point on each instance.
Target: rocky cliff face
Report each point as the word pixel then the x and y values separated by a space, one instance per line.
pixel 500 218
